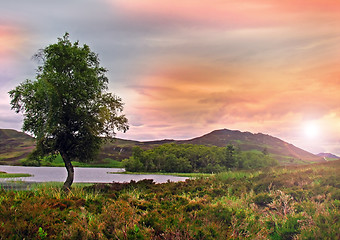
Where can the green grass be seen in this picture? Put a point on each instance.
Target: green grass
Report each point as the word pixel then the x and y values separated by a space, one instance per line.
pixel 191 175
pixel 106 163
pixel 237 175
pixel 14 175
pixel 255 151
pixel 288 160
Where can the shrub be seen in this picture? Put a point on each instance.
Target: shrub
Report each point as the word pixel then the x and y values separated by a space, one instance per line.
pixel 263 199
pixel 133 165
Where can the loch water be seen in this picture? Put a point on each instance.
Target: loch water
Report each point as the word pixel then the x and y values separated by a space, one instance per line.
pixel 82 175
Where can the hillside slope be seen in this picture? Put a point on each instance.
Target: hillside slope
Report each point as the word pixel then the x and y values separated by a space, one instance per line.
pixel 246 141
pixel 14 146
pixel 328 155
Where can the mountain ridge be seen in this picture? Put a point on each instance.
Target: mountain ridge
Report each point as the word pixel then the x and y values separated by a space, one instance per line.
pixel 20 144
pixel 248 141
pixel 327 155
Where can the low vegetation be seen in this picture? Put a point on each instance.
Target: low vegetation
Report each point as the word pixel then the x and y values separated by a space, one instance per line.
pixel 297 202
pixel 13 175
pixel 189 175
pixel 57 161
pixel 189 158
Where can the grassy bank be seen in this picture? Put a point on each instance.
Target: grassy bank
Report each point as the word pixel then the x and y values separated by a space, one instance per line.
pixel 280 203
pixel 57 161
pixel 14 175
pixel 191 175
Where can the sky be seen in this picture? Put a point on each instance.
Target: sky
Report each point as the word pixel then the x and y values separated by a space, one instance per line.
pixel 186 68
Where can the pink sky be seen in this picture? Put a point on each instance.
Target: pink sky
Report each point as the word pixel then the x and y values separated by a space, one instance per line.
pixel 188 67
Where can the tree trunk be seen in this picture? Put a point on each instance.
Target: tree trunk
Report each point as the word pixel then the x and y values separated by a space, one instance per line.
pixel 70 173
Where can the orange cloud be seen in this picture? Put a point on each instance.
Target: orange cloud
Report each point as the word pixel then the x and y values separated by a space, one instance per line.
pixel 321 6
pixel 262 66
pixel 181 97
pixel 232 14
pixel 10 42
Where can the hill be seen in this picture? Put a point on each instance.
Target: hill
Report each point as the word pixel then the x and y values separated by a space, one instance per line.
pixel 285 152
pixel 14 146
pixel 328 155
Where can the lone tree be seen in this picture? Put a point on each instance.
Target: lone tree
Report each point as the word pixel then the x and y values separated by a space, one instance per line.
pixel 67 107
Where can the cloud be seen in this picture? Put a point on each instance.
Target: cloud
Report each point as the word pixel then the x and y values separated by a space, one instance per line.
pixel 202 96
pixel 226 14
pixel 184 68
pixel 10 45
pixel 8 118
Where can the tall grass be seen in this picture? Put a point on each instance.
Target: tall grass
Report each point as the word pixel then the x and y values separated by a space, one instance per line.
pixel 236 175
pixel 54 190
pixel 301 202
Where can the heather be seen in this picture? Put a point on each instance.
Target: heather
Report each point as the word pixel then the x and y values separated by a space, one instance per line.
pixel 296 202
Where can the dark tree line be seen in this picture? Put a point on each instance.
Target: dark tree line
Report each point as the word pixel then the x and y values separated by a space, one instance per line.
pixel 195 158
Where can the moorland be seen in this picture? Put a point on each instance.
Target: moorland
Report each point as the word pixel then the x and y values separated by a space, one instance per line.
pixel 282 202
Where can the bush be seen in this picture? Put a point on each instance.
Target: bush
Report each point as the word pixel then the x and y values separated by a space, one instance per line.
pixel 31 162
pixel 263 199
pixel 133 165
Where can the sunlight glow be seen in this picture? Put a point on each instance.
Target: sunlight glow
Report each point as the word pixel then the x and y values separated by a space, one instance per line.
pixel 311 130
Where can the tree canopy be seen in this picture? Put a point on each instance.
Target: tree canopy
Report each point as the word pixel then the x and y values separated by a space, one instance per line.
pixel 67 107
pixel 195 158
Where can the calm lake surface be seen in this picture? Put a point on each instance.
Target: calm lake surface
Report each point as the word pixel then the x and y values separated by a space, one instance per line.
pixel 84 175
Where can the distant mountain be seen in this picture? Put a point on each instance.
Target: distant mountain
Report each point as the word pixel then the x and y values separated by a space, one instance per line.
pixel 15 145
pixel 285 152
pixel 327 155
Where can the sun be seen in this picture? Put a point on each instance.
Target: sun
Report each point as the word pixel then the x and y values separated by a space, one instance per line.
pixel 311 129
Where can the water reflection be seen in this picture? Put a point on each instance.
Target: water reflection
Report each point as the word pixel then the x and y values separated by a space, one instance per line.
pixel 84 175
